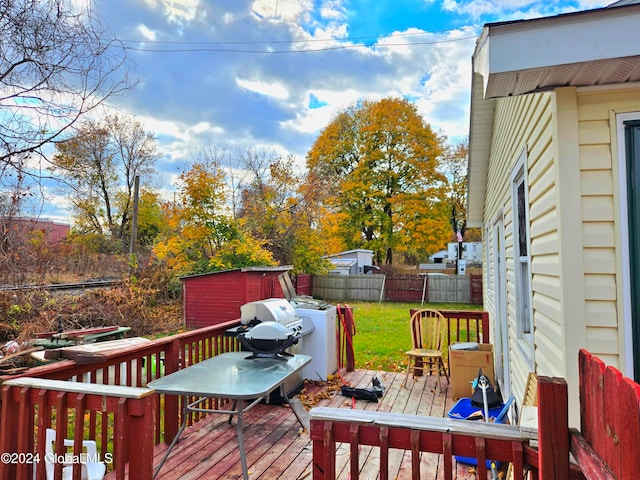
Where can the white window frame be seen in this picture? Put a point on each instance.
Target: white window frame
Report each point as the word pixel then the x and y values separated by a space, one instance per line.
pixel 522 263
pixel 627 339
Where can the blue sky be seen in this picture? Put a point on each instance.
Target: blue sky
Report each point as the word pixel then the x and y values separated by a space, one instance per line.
pixel 272 73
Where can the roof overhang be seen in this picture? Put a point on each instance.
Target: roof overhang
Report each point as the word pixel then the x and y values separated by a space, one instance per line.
pixel 480 134
pixel 593 47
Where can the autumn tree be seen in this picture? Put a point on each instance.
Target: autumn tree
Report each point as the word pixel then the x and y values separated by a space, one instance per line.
pixel 269 208
pixel 276 208
pixel 377 164
pixel 150 218
pixel 57 63
pixel 98 166
pixel 454 166
pixel 200 234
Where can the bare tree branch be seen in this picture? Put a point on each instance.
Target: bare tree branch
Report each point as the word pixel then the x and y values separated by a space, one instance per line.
pixel 56 64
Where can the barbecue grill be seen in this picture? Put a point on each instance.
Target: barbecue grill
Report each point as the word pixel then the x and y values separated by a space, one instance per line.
pixel 269 327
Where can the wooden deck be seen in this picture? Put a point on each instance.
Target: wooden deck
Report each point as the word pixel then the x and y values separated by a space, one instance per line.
pixel 277 448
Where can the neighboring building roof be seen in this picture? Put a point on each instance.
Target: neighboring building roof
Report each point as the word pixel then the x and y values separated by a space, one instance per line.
pixel 343 262
pixel 592 47
pixel 347 252
pixel 284 268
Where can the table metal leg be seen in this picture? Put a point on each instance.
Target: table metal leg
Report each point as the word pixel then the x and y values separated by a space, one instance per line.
pixel 175 439
pixel 243 456
pixel 235 404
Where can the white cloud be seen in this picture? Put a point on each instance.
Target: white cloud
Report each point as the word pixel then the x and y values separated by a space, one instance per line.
pixel 313 120
pixel 477 8
pixel 201 127
pixel 287 10
pixel 332 10
pixel 146 32
pixel 273 89
pixel 517 9
pixel 177 11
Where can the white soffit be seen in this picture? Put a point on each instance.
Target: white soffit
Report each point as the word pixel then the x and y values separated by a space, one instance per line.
pixel 480 134
pixel 594 47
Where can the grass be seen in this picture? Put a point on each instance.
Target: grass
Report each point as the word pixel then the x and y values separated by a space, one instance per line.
pixel 382 332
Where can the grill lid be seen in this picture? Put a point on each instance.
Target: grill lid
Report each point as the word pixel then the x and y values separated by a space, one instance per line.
pixel 269 310
pixel 268 331
pixel 268 340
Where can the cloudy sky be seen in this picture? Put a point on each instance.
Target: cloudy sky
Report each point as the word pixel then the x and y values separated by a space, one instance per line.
pixel 272 73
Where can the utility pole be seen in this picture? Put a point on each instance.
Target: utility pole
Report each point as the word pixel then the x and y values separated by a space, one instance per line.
pixel 133 261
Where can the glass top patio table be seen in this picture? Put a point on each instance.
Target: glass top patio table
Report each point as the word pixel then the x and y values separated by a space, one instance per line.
pixel 230 375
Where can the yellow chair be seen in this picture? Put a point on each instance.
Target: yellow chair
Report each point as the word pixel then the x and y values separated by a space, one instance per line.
pixel 429 330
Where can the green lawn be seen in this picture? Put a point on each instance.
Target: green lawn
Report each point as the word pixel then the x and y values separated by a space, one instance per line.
pixel 383 335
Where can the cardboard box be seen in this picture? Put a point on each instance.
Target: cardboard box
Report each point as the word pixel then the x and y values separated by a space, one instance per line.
pixel 464 366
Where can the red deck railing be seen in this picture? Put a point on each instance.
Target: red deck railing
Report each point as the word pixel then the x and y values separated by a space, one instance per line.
pixel 387 431
pixel 134 366
pixel 465 325
pixel 32 405
pixel 126 420
pixel 606 446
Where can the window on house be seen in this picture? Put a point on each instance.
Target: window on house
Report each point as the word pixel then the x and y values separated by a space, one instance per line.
pixel 521 251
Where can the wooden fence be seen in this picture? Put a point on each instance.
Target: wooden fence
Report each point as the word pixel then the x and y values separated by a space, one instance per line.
pixel 368 288
pixel 399 288
pixel 303 284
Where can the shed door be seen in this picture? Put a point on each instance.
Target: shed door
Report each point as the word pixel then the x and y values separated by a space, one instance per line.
pixel 632 149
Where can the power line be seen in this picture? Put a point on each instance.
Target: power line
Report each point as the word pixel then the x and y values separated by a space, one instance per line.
pixel 309 40
pixel 305 50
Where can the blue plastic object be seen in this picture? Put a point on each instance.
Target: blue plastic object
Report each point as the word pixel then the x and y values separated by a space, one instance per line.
pixel 463 409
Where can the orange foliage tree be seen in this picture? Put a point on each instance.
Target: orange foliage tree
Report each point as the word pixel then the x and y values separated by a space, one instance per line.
pixel 200 235
pixel 376 166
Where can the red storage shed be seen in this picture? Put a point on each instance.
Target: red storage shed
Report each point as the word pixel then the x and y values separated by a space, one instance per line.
pixel 216 297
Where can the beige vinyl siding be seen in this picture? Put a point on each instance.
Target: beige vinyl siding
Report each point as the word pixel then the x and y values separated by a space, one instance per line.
pixel 600 196
pixel 527 121
pixel 489 274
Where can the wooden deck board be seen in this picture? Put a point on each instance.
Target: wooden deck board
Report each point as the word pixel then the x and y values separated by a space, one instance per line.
pixel 277 447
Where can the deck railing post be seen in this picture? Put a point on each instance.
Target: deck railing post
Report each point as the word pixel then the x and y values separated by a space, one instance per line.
pixel 485 328
pixel 8 441
pixel 171 413
pixel 141 418
pixel 553 429
pixel 324 450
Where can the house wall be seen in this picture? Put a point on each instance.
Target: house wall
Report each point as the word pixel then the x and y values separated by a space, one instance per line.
pixel 574 215
pixel 601 227
pixel 54 232
pixel 527 122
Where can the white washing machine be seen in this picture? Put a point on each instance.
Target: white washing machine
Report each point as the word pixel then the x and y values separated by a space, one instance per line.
pixel 320 344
